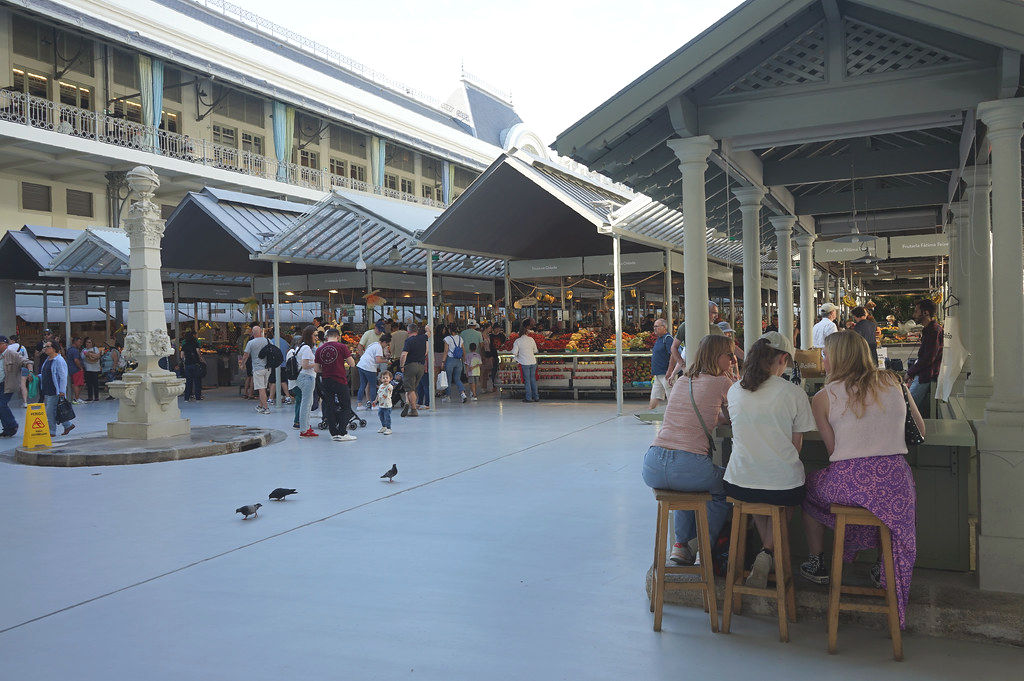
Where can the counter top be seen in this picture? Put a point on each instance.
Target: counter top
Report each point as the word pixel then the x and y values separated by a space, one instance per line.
pixel 938 432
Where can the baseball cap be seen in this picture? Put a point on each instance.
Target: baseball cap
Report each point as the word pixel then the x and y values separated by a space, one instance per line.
pixel 779 342
pixel 472 322
pixel 4 339
pixel 724 326
pixel 827 308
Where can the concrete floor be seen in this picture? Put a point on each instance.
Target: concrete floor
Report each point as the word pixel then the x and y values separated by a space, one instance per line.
pixel 512 545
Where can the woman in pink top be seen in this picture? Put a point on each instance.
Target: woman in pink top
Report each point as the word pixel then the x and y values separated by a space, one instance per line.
pixel 679 459
pixel 861 414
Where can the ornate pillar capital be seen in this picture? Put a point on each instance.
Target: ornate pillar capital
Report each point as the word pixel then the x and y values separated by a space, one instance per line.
pixel 749 197
pixel 1004 118
pixel 805 240
pixel 692 150
pixel 783 224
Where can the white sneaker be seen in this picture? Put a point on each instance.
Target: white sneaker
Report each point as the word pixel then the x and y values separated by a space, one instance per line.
pixel 475 399
pixel 386 431
pixel 758 577
pixel 381 429
pixel 463 398
pixel 261 410
pixel 343 438
pixel 682 554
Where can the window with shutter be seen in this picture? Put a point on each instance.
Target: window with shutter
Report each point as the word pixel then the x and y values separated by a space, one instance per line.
pixel 172 84
pixel 36 197
pixel 125 71
pixel 79 203
pixel 348 141
pixel 31 38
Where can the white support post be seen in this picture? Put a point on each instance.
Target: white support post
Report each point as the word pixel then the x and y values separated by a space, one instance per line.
pixel 692 153
pixel 67 313
pixel 1001 433
pixel 806 244
pixel 277 331
pixel 508 302
pixel 978 243
pixel 106 312
pixel 431 385
pixel 750 207
pixel 617 298
pixel 668 291
pixel 783 225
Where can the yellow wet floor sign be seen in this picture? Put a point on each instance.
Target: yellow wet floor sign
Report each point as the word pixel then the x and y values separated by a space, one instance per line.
pixel 37 430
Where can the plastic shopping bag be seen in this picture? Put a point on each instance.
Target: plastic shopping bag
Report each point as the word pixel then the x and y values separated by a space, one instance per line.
pixel 442 381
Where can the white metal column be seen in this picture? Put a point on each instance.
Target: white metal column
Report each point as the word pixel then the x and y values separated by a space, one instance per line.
pixel 617 298
pixel 668 290
pixel 806 244
pixel 750 207
pixel 978 249
pixel 783 225
pixel 508 302
pixel 693 156
pixel 67 313
pixel 431 385
pixel 277 331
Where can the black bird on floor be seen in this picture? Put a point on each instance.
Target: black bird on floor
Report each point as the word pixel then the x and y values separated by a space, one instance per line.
pixel 391 473
pixel 248 510
pixel 280 493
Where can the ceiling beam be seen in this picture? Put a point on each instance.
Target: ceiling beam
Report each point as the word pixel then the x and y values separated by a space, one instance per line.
pixel 634 145
pixel 872 199
pixel 1009 73
pixel 862 163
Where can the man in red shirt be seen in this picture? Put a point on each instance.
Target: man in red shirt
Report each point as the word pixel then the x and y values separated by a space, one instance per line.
pixel 332 360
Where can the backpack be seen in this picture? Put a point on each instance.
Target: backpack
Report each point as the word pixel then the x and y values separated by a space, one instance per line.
pixel 291 366
pixel 271 354
pixel 457 352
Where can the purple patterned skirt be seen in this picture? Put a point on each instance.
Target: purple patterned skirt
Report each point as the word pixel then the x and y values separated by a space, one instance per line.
pixel 883 485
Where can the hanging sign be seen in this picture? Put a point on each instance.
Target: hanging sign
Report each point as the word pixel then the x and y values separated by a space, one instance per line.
pixel 213 292
pixel 840 251
pixel 266 284
pixel 538 269
pixel 77 298
pixel 475 286
pixel 325 282
pixel 37 430
pixel 918 246
pixel 630 262
pixel 400 282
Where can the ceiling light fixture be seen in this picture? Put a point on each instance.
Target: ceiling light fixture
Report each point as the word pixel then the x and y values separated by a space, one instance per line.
pixel 394 255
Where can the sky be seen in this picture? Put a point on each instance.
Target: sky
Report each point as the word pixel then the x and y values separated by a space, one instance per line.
pixel 559 58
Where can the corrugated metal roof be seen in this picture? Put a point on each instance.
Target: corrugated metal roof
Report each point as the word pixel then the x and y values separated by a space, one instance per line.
pixel 40 244
pixel 252 220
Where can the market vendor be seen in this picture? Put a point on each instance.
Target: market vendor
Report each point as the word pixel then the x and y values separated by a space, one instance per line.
pixel 661 380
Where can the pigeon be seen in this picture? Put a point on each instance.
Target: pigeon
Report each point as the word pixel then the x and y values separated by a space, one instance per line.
pixel 248 510
pixel 280 493
pixel 390 475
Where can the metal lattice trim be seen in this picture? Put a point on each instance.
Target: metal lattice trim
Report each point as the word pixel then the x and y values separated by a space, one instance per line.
pixel 801 61
pixel 873 50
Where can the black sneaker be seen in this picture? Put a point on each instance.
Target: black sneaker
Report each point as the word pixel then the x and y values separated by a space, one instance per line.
pixel 405 410
pixel 813 569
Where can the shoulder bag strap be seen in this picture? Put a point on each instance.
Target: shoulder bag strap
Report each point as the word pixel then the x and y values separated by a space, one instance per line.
pixel 707 433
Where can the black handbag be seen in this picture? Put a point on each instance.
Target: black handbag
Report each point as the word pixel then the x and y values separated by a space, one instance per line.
pixel 910 431
pixel 64 412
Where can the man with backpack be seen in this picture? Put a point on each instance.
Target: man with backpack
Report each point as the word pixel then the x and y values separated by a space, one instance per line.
pixel 265 357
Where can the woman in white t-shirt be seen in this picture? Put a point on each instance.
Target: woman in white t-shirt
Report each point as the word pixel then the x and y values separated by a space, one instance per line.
pixel 305 384
pixel 455 353
pixel 378 352
pixel 769 417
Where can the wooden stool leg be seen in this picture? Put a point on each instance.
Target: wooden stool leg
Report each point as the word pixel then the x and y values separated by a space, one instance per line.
pixel 658 531
pixel 780 573
pixel 890 594
pixel 730 572
pixel 741 555
pixel 787 562
pixel 704 546
pixel 836 583
pixel 659 566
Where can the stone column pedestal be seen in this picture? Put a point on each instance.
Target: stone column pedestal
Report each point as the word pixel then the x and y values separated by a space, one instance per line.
pixel 149 395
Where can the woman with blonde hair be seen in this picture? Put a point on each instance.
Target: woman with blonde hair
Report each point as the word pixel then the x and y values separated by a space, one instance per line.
pixel 861 415
pixel 680 457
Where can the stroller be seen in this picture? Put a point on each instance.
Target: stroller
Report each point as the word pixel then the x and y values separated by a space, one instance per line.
pixel 353 422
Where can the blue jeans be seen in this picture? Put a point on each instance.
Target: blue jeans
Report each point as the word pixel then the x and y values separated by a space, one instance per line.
pixel 303 390
pixel 384 414
pixel 919 391
pixel 366 378
pixel 193 382
pixel 50 403
pixel 688 472
pixel 530 381
pixel 10 426
pixel 453 367
pixel 423 391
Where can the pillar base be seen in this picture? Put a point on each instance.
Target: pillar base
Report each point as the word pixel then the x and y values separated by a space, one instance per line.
pixel 1001 526
pixel 148 431
pixel 978 389
pixel 1006 414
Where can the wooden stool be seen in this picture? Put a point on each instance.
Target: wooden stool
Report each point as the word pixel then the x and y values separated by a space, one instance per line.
pixel 783 593
pixel 855 515
pixel 669 500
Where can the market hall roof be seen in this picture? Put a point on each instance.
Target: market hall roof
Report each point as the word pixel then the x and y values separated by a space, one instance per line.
pixel 342 228
pixel 821 103
pixel 526 208
pixel 29 250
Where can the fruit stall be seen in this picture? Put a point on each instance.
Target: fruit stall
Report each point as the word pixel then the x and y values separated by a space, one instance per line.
pixel 582 363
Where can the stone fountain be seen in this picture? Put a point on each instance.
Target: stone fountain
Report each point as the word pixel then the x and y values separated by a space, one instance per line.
pixel 148 395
